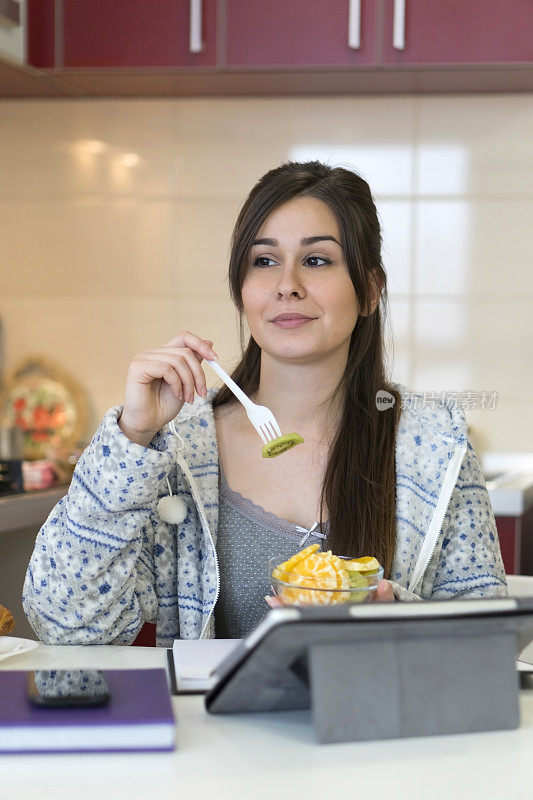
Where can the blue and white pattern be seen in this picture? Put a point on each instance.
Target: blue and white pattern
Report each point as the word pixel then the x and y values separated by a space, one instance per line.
pixel 105 562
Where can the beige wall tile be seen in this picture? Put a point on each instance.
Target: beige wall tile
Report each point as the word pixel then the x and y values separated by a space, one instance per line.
pixel 91 246
pixel 474 144
pixel 474 345
pixel 341 119
pixel 231 143
pixel 502 429
pixel 58 146
pixel 474 247
pixel 204 229
pixel 395 221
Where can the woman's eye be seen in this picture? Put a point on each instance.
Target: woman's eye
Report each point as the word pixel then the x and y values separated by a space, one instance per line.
pixel 317 258
pixel 261 258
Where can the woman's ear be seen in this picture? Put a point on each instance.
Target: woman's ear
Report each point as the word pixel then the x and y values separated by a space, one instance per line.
pixel 375 287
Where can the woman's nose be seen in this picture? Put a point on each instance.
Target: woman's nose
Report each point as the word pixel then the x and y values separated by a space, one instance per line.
pixel 289 284
pixel 295 292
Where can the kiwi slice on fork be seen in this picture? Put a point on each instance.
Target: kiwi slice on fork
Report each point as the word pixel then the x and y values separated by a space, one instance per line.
pixel 280 445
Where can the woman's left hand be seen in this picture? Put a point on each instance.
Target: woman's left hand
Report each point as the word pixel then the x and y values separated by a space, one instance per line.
pixel 384 592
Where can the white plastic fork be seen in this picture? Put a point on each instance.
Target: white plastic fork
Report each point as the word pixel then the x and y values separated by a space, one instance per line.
pixel 261 417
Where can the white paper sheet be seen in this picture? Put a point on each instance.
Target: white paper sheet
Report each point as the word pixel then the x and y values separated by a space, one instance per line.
pixel 195 660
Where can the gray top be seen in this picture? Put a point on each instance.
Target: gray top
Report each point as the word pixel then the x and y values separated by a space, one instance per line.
pixel 247 537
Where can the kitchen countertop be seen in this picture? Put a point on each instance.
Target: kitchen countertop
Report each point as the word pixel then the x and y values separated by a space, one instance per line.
pixel 511 494
pixel 25 509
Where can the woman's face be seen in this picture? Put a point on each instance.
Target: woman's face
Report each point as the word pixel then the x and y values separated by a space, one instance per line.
pixel 288 275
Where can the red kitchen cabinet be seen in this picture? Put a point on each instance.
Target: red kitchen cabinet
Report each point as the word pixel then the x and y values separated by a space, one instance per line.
pixel 515 534
pixel 41 32
pixel 509 530
pixel 146 636
pixel 136 33
pixel 458 32
pixel 309 33
pixel 111 47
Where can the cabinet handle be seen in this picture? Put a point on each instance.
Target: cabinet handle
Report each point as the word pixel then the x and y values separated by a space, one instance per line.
pixel 398 36
pixel 195 30
pixel 354 24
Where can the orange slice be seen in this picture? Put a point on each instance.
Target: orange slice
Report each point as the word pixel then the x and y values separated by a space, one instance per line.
pixel 288 565
pixel 367 564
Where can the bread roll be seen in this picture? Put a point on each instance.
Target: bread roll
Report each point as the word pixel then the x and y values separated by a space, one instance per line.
pixel 7 623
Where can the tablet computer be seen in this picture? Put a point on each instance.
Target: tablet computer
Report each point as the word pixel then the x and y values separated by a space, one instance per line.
pixel 380 658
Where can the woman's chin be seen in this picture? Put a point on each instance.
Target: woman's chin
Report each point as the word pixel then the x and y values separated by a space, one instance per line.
pixel 293 351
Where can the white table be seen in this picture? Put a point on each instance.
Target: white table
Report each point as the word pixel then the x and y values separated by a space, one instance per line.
pixel 272 756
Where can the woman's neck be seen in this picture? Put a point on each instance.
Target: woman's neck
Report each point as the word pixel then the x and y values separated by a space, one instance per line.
pixel 297 394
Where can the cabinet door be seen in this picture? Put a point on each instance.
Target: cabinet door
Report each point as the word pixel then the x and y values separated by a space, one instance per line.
pixel 510 545
pixel 459 31
pixel 301 33
pixel 135 33
pixel 41 25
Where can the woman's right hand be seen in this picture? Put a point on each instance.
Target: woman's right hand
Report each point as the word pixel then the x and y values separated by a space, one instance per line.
pixel 160 381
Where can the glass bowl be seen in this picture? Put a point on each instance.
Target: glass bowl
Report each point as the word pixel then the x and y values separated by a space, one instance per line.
pixel 298 590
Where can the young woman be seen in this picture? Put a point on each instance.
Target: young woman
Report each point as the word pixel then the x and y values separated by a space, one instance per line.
pixel 392 480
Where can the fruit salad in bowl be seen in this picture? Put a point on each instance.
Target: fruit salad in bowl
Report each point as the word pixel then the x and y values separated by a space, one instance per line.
pixel 319 578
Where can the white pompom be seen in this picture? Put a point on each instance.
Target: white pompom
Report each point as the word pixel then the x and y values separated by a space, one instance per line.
pixel 172 509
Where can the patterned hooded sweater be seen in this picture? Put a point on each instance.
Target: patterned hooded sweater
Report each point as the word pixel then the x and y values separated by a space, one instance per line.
pixel 104 562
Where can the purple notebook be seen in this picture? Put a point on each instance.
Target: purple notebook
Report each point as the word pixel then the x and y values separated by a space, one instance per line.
pixel 138 716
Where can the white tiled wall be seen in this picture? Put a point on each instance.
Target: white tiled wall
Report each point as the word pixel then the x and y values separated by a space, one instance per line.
pixel 116 216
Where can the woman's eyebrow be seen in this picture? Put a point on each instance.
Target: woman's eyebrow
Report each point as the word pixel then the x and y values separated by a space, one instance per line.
pixel 308 240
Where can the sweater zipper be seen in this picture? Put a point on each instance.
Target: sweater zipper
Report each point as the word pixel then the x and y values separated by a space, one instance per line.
pixel 437 520
pixel 203 517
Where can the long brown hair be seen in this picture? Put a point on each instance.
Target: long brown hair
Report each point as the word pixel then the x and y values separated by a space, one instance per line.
pixel 359 487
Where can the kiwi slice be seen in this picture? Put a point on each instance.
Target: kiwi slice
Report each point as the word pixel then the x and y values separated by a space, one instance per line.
pixel 278 446
pixel 357 580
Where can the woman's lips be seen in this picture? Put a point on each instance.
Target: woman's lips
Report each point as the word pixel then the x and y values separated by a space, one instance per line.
pixel 292 323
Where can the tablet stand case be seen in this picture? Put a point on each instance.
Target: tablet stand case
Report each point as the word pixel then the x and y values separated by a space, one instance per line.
pixel 385 680
pixel 413 687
